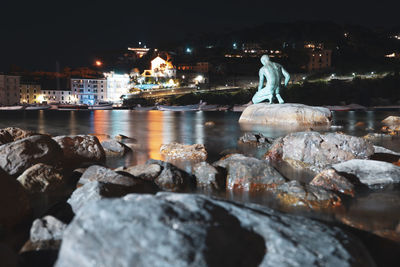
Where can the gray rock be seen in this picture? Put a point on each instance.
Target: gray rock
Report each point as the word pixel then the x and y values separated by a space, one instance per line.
pixel 125 138
pixel 195 230
pixel 370 172
pixel 184 152
pixel 114 148
pixel 256 139
pixel 14 201
pixel 208 177
pixel 286 115
pixel 147 172
pixel 392 120
pixel 42 178
pixel 105 175
pixel 317 151
pixel 95 191
pixel 331 180
pixel 295 194
pixel 81 150
pixel 172 178
pixel 18 156
pixel 249 173
pixel 47 228
pixel 382 150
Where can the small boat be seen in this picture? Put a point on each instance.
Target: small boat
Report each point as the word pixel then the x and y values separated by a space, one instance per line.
pixel 12 108
pixel 179 108
pixel 37 107
pixel 213 108
pixel 107 106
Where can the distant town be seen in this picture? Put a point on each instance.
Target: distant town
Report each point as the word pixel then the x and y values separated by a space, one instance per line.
pixel 206 65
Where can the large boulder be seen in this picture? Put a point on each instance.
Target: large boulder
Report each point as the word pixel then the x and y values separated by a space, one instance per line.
pixel 114 148
pixel 209 177
pixel 255 139
pixel 392 120
pixel 184 152
pixel 42 178
pixel 105 175
pixel 195 230
pixel 317 151
pixel 286 115
pixel 14 202
pixel 81 150
pixel 249 174
pixel 172 178
pixel 18 156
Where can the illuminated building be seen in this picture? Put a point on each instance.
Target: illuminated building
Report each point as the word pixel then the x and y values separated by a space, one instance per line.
pixel 9 89
pixel 117 85
pixel 319 58
pixel 160 68
pixel 140 51
pixel 393 55
pixel 57 96
pixel 30 93
pixel 202 67
pixel 89 91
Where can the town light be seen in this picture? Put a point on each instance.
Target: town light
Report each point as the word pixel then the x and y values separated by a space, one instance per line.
pixel 199 79
pixel 98 63
pixel 188 50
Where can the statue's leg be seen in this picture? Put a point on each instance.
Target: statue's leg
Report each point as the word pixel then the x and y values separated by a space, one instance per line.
pixel 262 95
pixel 278 96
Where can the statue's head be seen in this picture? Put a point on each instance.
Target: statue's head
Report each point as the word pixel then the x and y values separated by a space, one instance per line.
pixel 264 59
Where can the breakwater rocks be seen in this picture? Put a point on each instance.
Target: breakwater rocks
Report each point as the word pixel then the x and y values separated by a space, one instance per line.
pixel 59 203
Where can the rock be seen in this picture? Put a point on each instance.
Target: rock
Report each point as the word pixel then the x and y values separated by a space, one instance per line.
pixel 317 151
pixel 195 230
pixel 370 172
pixel 148 172
pixel 392 120
pixel 18 156
pixel 275 151
pixel 286 115
pixel 331 180
pixel 121 138
pixel 382 150
pixel 172 178
pixel 14 202
pixel 95 191
pixel 105 175
pixel 101 137
pixel 5 137
pixel 114 148
pixel 257 139
pixel 249 174
pixel 209 123
pixel 81 150
pixel 41 178
pixel 294 194
pixel 18 134
pixel 391 129
pixel 373 137
pixel 208 177
pixel 185 152
pixel 47 228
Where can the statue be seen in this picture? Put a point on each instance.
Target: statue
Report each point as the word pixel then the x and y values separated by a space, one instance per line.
pixel 274 73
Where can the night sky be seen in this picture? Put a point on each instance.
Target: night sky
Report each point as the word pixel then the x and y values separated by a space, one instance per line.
pixel 36 34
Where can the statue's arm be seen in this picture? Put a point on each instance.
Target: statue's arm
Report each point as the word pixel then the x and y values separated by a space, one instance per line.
pixel 286 75
pixel 261 80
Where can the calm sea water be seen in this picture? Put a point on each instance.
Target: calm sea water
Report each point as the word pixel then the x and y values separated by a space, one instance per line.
pixel 371 210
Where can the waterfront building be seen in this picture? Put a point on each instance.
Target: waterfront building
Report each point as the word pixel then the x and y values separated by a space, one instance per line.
pixel 58 96
pixel 9 89
pixel 89 91
pixel 30 93
pixel 117 85
pixel 319 59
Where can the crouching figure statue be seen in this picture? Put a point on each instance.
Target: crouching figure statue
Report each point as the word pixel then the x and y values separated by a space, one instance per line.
pixel 273 72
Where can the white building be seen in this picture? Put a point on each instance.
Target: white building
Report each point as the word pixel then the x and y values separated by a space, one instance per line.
pixel 58 96
pixel 117 85
pixel 89 91
pixel 9 89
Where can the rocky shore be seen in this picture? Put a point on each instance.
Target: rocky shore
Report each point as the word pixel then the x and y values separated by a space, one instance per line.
pixel 61 205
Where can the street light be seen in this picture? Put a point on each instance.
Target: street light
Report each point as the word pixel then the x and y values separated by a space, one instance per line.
pixel 98 63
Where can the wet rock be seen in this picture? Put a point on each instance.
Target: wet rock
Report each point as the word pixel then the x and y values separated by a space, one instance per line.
pixel 47 228
pixel 370 172
pixel 184 152
pixel 317 151
pixel 286 115
pixel 391 129
pixel 101 137
pixel 95 191
pixel 5 137
pixel 42 178
pixel 249 174
pixel 148 172
pixel 17 156
pixel 195 230
pixel 105 175
pixel 209 123
pixel 382 150
pixel 275 152
pixel 114 148
pixel 392 120
pixel 18 134
pixel 172 178
pixel 208 177
pixel 125 138
pixel 331 180
pixel 14 202
pixel 294 194
pixel 81 150
pixel 374 137
pixel 256 139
